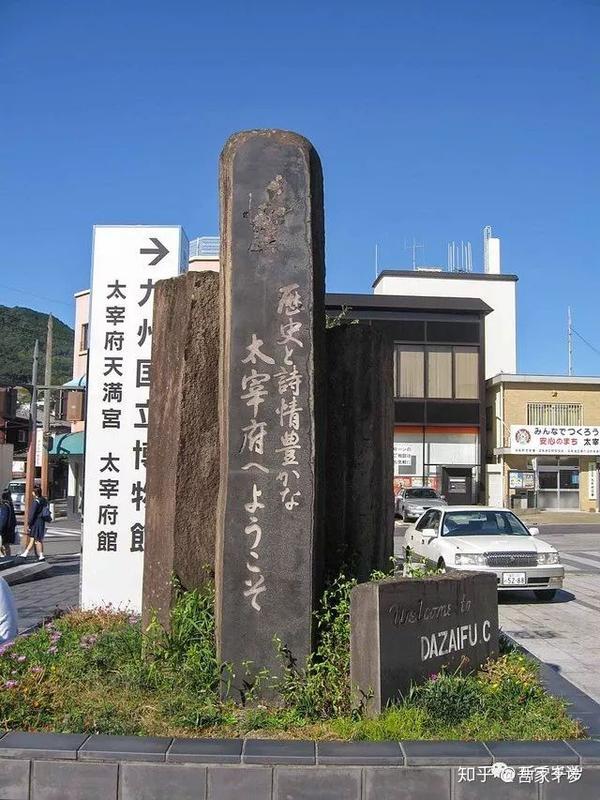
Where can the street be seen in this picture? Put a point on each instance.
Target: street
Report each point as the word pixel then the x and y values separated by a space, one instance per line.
pixel 563 633
pixel 38 599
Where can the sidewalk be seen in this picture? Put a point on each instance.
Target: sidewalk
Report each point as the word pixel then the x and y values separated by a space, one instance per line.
pixel 534 517
pixel 39 599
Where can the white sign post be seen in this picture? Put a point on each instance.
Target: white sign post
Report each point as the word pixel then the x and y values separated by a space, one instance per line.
pixel 126 264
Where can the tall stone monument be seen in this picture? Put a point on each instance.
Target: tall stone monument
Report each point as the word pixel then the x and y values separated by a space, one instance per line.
pixel 359 513
pixel 271 392
pixel 183 440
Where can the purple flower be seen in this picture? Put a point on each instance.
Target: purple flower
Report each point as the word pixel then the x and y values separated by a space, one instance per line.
pixel 88 641
pixel 4 648
pixel 37 669
pixel 434 676
pixel 10 684
pixel 52 649
pixel 21 658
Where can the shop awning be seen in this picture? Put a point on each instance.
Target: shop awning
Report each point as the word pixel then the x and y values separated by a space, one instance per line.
pixel 68 444
pixel 76 383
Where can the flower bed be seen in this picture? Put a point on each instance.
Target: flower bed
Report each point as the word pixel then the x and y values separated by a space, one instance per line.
pixel 98 672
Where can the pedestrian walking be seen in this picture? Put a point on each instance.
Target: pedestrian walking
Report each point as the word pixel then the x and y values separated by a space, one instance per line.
pixel 8 522
pixel 39 515
pixel 9 621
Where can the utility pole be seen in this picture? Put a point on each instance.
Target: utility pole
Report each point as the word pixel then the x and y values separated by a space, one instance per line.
pixel 570 339
pixel 46 417
pixel 30 477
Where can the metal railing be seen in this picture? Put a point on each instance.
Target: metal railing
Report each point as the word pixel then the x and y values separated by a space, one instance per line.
pixel 555 413
pixel 204 247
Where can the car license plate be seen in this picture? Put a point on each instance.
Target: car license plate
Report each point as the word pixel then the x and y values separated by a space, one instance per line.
pixel 514 579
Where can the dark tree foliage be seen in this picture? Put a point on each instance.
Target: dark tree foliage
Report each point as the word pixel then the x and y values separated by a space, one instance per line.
pixel 19 328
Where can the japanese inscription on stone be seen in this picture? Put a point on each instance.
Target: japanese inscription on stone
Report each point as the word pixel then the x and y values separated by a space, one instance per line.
pixel 272 305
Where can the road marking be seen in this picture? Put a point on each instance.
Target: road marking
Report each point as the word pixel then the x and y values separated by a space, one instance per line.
pixel 579 561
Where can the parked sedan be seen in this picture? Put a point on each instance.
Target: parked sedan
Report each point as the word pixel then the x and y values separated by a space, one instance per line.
pixel 17 491
pixel 411 503
pixel 487 540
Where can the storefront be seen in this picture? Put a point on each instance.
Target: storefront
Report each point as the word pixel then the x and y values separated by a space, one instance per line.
pixel 444 458
pixel 547 435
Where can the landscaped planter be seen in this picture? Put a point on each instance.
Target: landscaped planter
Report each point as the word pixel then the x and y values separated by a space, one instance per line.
pixel 36 766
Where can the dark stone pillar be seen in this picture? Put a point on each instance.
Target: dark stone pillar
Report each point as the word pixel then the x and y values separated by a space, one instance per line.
pixel 272 331
pixel 359 516
pixel 182 478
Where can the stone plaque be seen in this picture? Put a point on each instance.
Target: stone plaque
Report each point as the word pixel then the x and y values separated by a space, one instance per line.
pixel 272 333
pixel 404 630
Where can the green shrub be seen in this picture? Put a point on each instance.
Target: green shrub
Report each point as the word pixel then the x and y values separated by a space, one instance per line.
pixel 449 698
pixel 98 672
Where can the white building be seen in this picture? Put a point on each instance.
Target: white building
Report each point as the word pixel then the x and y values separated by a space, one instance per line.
pixel 496 290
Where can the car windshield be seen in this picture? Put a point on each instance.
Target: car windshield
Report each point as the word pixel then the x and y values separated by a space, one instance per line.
pixel 421 494
pixel 482 523
pixel 16 488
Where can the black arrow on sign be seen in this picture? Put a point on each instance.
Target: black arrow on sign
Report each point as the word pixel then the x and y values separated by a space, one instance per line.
pixel 160 251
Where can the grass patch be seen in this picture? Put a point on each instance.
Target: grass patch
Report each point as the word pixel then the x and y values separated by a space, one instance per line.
pixel 98 672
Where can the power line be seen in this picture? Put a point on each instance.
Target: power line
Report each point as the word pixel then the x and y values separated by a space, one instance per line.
pixel 37 296
pixel 585 341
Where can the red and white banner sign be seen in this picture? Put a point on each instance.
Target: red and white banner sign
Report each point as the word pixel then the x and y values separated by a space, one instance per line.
pixel 578 440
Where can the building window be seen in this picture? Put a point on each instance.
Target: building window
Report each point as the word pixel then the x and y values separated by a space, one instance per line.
pixel 410 371
pixel 439 372
pixel 83 345
pixel 466 373
pixel 554 413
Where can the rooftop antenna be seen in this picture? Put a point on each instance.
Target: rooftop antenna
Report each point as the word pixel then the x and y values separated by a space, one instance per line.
pixel 414 247
pixel 460 257
pixel 570 339
pixel 487 234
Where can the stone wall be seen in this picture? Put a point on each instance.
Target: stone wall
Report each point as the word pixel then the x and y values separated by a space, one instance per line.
pixel 77 767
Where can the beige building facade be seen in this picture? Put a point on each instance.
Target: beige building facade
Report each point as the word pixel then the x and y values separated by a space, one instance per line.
pixel 543 435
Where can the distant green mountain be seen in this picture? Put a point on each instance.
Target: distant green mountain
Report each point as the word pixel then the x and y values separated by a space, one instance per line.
pixel 19 328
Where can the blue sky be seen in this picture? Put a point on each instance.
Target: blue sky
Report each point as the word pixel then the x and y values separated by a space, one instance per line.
pixel 432 120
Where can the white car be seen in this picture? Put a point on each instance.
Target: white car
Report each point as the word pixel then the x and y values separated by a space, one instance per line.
pixel 487 540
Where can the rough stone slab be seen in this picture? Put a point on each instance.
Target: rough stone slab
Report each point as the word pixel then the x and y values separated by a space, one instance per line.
pixel 277 751
pixel 182 474
pixel 408 783
pixel 14 779
pixel 271 396
pixel 359 513
pixel 404 630
pixel 317 783
pixel 239 783
pixel 22 744
pixel 101 747
pixel 72 780
pixel 162 781
pixel 206 751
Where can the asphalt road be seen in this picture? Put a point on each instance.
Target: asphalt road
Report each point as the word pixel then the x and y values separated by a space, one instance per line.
pixel 563 633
